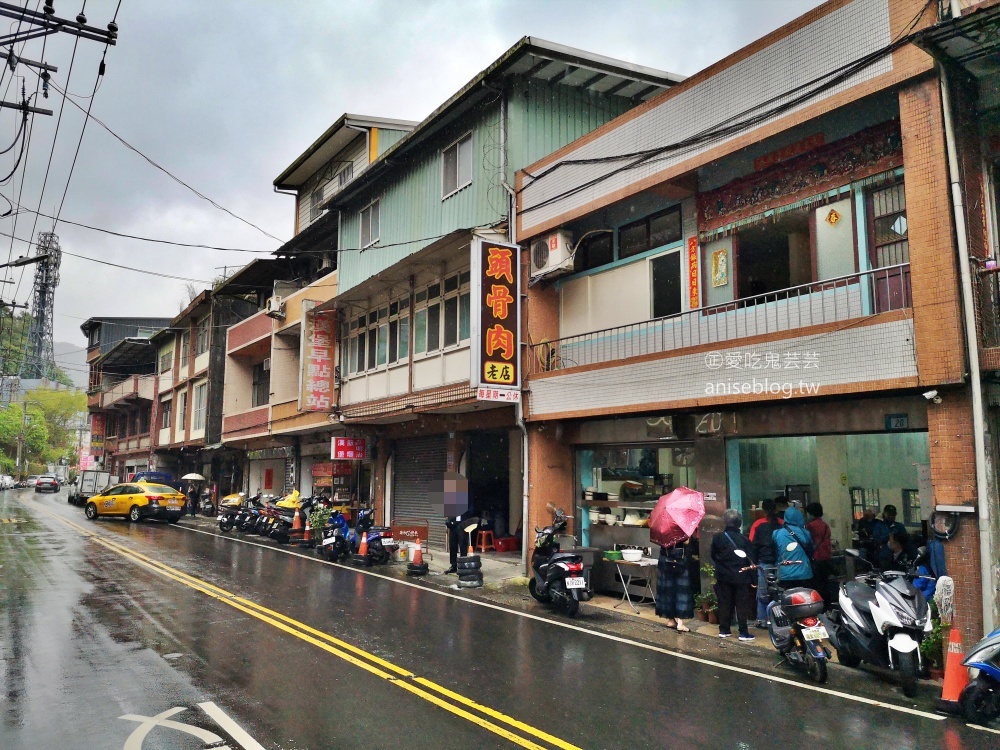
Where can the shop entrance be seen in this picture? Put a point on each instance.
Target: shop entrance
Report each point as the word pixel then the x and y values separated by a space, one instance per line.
pixel 488 472
pixel 844 473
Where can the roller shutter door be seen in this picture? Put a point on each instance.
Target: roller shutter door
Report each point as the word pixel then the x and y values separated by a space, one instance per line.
pixel 416 464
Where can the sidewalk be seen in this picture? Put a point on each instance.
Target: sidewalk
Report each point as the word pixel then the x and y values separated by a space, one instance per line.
pixel 505 586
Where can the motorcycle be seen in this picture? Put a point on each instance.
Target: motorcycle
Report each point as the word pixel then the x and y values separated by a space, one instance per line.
pixel 980 700
pixel 335 542
pixel 380 541
pixel 229 509
pixel 882 619
pixel 558 576
pixel 206 507
pixel 795 628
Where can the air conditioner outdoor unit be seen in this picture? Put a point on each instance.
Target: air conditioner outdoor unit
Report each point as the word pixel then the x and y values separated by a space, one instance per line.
pixel 275 307
pixel 267 364
pixel 552 255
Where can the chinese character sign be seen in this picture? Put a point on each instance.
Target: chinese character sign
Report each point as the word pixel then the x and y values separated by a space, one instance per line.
pixel 97 435
pixel 350 449
pixel 693 298
pixel 497 268
pixel 317 361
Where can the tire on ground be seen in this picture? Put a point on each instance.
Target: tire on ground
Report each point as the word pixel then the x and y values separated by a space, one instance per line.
pixel 470 584
pixel 477 576
pixel 468 559
pixel 469 566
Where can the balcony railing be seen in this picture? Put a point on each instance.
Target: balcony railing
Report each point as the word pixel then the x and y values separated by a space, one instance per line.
pixel 134 387
pixel 829 301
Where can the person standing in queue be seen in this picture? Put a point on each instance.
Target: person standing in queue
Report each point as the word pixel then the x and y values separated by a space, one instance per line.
pixel 450 498
pixel 822 555
pixel 192 499
pixel 732 554
pixel 674 600
pixel 765 553
pixel 794 545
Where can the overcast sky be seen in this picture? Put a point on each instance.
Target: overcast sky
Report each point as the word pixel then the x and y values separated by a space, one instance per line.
pixel 226 93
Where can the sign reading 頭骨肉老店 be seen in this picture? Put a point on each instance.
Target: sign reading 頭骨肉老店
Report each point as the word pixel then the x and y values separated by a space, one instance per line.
pixel 496 335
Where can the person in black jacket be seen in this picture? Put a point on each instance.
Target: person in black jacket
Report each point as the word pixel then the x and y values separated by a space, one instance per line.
pixel 732 554
pixel 765 554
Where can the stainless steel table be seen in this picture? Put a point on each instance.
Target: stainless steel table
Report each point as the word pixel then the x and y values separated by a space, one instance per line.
pixel 634 570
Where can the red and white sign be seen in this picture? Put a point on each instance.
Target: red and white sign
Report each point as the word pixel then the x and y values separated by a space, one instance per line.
pixel 693 296
pixel 506 395
pixel 350 449
pixel 318 329
pixel 85 460
pixel 333 469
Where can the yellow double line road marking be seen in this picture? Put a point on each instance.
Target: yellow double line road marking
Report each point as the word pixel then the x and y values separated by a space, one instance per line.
pixel 360 658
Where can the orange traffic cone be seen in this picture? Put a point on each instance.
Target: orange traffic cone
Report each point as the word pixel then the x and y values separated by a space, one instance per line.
pixel 956 677
pixel 307 535
pixel 296 535
pixel 363 549
pixel 418 556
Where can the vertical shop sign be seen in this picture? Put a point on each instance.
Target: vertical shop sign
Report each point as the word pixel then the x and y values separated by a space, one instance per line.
pixel 316 376
pixel 97 424
pixel 693 297
pixel 350 449
pixel 496 290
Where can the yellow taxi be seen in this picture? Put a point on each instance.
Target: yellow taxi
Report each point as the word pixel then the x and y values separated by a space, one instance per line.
pixel 138 500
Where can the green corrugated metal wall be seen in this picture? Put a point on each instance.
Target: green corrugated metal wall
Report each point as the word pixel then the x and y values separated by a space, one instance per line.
pixel 541 119
pixel 388 138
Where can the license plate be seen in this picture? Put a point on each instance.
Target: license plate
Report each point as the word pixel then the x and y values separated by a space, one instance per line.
pixel 173 503
pixel 815 633
pixel 328 540
pixel 576 582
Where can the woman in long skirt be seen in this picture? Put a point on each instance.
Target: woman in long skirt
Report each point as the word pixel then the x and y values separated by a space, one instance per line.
pixel 674 599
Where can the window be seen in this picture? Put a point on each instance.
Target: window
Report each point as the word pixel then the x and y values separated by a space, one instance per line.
pixel 145 333
pixel 891 245
pixel 442 314
pixel 595 250
pixel 315 200
pixel 94 336
pixel 200 402
pixel 182 412
pixel 665 271
pixel 456 166
pixel 650 233
pixel 345 176
pixel 201 333
pixel 370 225
pixel 185 346
pixel 167 361
pixel 260 390
pixel 399 330
pixel 166 407
pixel 144 419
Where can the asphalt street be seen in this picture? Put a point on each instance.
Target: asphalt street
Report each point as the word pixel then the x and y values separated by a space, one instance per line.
pixel 119 635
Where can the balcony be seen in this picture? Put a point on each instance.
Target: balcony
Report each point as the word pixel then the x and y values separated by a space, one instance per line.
pixel 830 301
pixel 246 333
pixel 246 424
pixel 823 335
pixel 137 387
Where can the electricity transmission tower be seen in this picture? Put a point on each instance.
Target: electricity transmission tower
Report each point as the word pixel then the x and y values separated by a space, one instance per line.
pixel 39 360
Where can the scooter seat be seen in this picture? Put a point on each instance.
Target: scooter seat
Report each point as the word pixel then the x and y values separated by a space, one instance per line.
pixel 861 595
pixel 565 557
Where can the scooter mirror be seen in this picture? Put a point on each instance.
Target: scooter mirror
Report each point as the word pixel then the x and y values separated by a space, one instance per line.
pixel 852 553
pixel 791 546
pixel 740 553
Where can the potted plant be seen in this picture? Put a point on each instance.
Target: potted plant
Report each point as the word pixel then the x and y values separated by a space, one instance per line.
pixel 932 647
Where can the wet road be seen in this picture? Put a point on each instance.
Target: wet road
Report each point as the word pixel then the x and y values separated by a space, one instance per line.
pixel 108 619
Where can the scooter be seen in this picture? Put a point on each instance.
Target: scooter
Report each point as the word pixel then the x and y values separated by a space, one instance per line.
pixel 335 542
pixel 794 626
pixel 229 509
pixel 558 576
pixel 380 540
pixel 980 700
pixel 882 619
pixel 206 507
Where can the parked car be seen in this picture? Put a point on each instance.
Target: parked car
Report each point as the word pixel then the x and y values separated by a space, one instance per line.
pixel 47 483
pixel 29 482
pixel 136 501
pixel 7 482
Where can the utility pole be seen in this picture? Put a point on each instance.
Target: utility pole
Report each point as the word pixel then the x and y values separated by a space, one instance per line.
pixel 25 421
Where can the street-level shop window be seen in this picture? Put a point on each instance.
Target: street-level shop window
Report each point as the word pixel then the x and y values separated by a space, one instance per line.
pixel 200 402
pixel 456 166
pixel 370 224
pixel 166 408
pixel 260 389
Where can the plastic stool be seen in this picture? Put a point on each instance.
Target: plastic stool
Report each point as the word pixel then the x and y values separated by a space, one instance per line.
pixel 484 541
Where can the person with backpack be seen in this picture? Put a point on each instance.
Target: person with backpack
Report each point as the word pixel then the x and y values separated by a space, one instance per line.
pixel 794 547
pixel 732 554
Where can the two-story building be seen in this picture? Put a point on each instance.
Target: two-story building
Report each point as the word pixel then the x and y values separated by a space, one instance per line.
pixel 752 285
pixel 121 392
pixel 407 229
pixel 187 414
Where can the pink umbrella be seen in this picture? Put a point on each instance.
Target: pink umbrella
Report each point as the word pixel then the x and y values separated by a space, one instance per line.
pixel 676 516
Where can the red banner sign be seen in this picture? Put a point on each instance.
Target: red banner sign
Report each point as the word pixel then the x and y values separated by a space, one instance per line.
pixel 333 469
pixel 350 449
pixel 788 152
pixel 317 360
pixel 97 425
pixel 693 297
pixel 497 268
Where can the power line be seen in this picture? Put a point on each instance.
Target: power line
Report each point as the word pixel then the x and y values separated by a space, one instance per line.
pixel 167 172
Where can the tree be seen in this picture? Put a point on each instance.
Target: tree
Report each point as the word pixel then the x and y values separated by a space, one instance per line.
pixel 49 432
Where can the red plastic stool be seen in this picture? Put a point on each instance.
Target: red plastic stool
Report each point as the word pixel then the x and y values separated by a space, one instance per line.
pixel 484 541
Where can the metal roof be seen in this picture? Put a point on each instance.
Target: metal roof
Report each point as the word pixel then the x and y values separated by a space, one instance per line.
pixel 257 276
pixel 533 58
pixel 129 352
pixel 972 41
pixel 333 141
